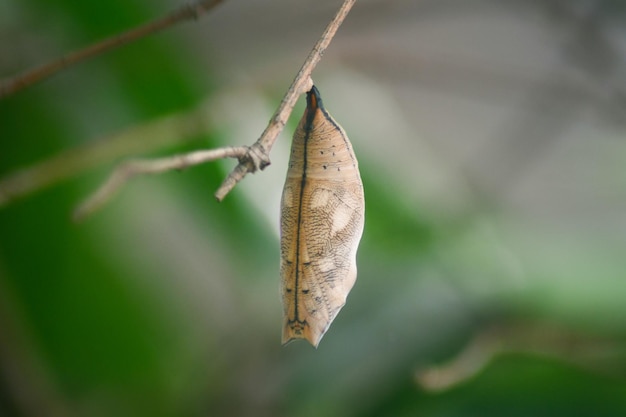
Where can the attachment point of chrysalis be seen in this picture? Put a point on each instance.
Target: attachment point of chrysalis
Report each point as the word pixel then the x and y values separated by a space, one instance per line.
pixel 313 104
pixel 313 99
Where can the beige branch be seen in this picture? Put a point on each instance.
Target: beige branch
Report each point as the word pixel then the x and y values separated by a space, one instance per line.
pixel 34 75
pixel 125 171
pixel 165 131
pixel 250 158
pixel 258 155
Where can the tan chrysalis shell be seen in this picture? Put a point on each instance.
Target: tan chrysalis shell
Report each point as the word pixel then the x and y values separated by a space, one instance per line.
pixel 321 222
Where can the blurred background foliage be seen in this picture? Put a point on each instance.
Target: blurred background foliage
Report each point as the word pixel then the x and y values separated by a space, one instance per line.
pixel 492 270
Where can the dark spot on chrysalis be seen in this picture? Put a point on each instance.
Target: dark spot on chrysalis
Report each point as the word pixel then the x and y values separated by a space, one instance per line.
pixel 305 291
pixel 324 166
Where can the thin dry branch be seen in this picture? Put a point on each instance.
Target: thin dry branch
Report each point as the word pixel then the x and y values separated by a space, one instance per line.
pixel 250 158
pixel 258 154
pixel 165 131
pixel 594 353
pixel 127 170
pixel 34 75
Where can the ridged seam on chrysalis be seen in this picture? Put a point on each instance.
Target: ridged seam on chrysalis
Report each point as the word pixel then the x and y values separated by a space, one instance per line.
pixel 308 127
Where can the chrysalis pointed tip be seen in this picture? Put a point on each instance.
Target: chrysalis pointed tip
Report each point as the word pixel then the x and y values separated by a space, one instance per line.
pixel 314 343
pixel 291 333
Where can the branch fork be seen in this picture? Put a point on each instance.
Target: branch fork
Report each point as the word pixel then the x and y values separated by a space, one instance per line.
pixel 250 158
pixel 256 158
